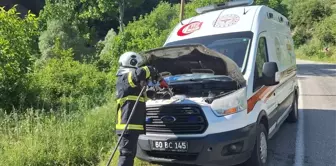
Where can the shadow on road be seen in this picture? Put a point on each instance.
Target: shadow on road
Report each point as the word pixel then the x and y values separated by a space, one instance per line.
pixel 314 69
pixel 282 146
pixel 319 140
pixel 320 137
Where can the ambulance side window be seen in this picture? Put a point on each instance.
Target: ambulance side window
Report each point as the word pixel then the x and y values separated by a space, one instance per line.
pixel 261 58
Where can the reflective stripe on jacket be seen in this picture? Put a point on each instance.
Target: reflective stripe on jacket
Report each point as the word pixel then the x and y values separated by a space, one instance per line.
pixel 128 89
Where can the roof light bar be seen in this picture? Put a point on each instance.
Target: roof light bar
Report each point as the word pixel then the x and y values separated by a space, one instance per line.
pixel 226 5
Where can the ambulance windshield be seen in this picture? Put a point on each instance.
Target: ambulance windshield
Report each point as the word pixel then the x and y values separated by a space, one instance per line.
pixel 233 45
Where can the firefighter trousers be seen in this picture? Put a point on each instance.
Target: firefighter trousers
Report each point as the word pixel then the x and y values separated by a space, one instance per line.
pixel 127 149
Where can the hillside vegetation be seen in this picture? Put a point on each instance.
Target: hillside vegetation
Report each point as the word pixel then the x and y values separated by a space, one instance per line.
pixel 57 70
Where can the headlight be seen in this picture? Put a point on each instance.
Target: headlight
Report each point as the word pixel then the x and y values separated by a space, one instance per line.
pixel 231 103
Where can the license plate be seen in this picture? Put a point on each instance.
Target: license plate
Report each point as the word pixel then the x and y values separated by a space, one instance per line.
pixel 179 146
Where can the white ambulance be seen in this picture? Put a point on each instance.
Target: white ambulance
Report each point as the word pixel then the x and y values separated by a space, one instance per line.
pixel 232 76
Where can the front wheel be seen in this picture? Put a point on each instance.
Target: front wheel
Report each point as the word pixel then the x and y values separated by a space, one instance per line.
pixel 294 113
pixel 259 153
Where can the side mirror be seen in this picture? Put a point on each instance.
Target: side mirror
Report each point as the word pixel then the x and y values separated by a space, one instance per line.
pixel 270 74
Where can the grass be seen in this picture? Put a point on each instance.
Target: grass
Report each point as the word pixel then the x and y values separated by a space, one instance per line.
pixel 313 52
pixel 327 59
pixel 114 162
pixel 39 138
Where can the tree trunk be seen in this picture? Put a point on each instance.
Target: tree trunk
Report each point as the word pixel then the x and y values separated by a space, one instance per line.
pixel 121 14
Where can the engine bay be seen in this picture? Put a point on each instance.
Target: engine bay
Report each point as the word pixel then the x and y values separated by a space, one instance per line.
pixel 210 87
pixel 193 71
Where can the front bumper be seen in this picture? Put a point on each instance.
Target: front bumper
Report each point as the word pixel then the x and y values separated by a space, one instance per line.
pixel 211 150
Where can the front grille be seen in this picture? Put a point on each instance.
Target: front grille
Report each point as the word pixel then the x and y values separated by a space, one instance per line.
pixel 173 155
pixel 175 119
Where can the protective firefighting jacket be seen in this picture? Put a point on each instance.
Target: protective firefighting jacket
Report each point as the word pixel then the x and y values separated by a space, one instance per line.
pixel 128 88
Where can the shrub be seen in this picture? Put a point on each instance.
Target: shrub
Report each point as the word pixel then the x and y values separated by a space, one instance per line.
pixel 313 48
pixel 301 36
pixel 104 50
pixel 326 30
pixel 76 12
pixel 68 35
pixel 17 50
pixel 306 12
pixel 64 83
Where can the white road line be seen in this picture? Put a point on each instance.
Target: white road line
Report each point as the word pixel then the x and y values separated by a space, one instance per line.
pixel 299 144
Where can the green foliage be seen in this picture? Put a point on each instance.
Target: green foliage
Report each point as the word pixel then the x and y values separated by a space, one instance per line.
pixel 39 138
pixel 69 37
pixel 312 48
pixel 104 50
pixel 92 17
pixel 190 8
pixel 314 11
pixel 314 30
pixel 68 84
pixel 301 36
pixel 277 5
pixel 149 31
pixel 307 12
pixel 79 13
pixel 17 49
pixel 57 9
pixel 326 30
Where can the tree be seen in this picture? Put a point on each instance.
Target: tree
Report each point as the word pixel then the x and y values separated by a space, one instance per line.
pixel 105 49
pixel 326 31
pixel 277 5
pixel 190 8
pixel 149 31
pixel 63 83
pixel 18 43
pixel 68 35
pixel 306 13
pixel 303 24
pixel 86 15
pixel 95 17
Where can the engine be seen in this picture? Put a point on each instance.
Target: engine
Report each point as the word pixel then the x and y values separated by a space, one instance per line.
pixel 209 90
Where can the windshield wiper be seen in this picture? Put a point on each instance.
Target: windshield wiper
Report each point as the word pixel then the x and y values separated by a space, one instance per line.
pixel 218 79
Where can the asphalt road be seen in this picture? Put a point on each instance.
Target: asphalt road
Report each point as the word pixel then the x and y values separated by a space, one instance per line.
pixel 312 140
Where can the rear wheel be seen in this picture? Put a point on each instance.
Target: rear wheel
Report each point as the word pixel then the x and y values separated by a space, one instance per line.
pixel 260 151
pixel 294 114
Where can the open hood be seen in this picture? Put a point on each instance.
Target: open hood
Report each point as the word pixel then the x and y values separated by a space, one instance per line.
pixel 191 58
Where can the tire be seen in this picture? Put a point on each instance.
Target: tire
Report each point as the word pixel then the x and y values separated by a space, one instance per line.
pixel 294 113
pixel 175 165
pixel 260 153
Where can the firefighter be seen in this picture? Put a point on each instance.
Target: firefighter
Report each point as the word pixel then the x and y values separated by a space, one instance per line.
pixel 131 79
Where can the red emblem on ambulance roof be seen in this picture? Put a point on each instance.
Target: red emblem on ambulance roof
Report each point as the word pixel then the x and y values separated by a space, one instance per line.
pixel 189 28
